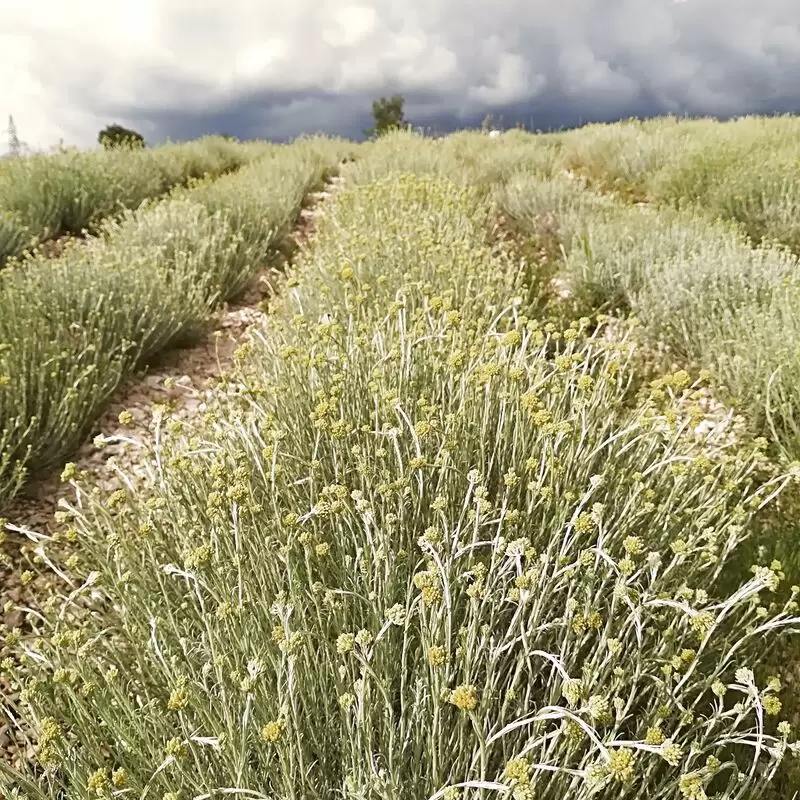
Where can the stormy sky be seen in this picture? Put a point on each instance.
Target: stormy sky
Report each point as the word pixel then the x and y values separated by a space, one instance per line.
pixel 278 68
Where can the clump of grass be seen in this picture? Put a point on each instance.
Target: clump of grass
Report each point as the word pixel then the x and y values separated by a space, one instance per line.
pixel 423 548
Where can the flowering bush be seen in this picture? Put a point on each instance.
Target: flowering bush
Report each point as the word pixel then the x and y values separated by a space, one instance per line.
pixel 423 544
pixel 467 158
pixel 743 170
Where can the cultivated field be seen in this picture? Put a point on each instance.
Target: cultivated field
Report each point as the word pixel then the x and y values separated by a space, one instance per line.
pixel 497 495
pixel 45 196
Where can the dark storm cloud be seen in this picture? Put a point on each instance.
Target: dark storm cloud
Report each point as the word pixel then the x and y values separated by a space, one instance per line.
pixel 275 70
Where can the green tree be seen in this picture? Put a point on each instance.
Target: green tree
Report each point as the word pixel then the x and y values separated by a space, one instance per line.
pixel 388 115
pixel 116 136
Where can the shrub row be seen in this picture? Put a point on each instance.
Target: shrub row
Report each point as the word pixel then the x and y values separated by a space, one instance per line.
pixel 44 196
pixel 467 157
pixel 745 170
pixel 71 329
pixel 697 285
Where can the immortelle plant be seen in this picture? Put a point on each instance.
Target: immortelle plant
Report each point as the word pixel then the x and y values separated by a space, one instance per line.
pixel 423 546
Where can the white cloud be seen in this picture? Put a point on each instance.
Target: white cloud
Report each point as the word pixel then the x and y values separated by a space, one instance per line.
pixel 69 68
pixel 350 26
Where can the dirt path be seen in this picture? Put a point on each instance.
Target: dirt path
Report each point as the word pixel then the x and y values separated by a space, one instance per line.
pixel 185 379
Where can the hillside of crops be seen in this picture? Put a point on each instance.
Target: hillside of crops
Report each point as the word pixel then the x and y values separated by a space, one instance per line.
pixel 499 497
pixel 47 196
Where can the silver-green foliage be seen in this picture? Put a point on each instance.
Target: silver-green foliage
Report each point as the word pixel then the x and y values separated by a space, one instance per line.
pixel 467 157
pixel 73 328
pixel 428 543
pixel 699 286
pixel 43 196
pixel 744 170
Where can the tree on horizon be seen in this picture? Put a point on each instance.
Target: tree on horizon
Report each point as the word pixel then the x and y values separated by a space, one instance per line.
pixel 113 136
pixel 388 115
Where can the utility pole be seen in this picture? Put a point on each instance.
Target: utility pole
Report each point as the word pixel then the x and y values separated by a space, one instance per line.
pixel 14 148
